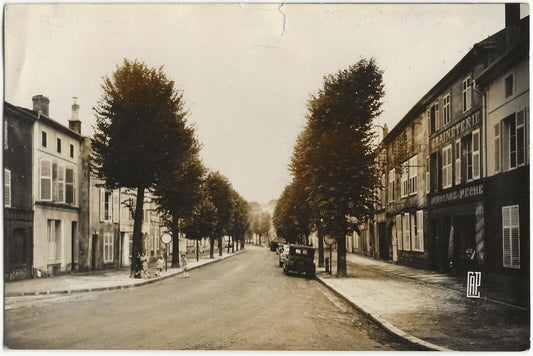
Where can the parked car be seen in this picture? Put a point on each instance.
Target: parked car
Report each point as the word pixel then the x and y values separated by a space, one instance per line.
pixel 274 246
pixel 300 260
pixel 283 254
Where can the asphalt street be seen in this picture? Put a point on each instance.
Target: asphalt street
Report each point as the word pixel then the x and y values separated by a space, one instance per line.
pixel 242 303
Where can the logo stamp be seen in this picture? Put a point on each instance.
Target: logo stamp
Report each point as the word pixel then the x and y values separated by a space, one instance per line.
pixel 473 281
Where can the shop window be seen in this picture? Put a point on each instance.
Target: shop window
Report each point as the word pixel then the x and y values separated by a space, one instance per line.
pixel 7 187
pixel 108 248
pixel 511 236
pixel 467 94
pixel 447 166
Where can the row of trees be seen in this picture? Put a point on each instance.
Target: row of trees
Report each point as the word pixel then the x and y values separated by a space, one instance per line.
pixel 143 141
pixel 333 161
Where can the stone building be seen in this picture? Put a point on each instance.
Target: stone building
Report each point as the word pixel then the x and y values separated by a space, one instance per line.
pixel 505 84
pixel 18 209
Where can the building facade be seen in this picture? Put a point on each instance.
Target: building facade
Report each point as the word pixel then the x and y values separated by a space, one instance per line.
pixel 506 97
pixel 18 210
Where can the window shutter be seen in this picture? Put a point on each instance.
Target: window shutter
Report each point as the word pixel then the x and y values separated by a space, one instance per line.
pixel 46 180
pixel 406 233
pixel 475 155
pixel 116 206
pixel 420 232
pixel 61 183
pixel 102 204
pixel 497 156
pixel 515 237
pixel 399 232
pixel 69 185
pixel 7 187
pixel 414 238
pixel 520 139
pixel 54 182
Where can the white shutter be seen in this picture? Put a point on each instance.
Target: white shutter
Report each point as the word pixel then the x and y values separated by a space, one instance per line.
pixel 46 180
pixel 116 206
pixel 413 230
pixel 476 169
pixel 102 204
pixel 399 232
pixel 511 236
pixel 457 162
pixel 420 230
pixel 7 187
pixel 61 183
pixel 406 233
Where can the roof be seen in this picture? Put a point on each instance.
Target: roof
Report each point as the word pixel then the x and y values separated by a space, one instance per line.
pixel 31 114
pixel 509 58
pixel 480 51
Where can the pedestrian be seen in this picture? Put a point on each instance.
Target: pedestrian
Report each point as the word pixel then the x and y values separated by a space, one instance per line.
pixel 160 264
pixel 144 260
pixel 184 264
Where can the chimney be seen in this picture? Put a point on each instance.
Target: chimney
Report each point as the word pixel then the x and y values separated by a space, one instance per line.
pixel 385 130
pixel 512 24
pixel 40 104
pixel 74 123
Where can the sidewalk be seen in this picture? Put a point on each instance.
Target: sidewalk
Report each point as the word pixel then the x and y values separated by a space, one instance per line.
pixel 430 310
pixel 100 280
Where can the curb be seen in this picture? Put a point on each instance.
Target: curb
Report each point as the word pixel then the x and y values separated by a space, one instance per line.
pixel 385 325
pixel 117 287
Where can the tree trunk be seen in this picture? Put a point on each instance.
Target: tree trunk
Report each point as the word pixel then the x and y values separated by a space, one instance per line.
pixel 230 241
pixel 137 247
pixel 220 245
pixel 197 242
pixel 341 257
pixel 211 247
pixel 175 240
pixel 320 249
pixel 232 245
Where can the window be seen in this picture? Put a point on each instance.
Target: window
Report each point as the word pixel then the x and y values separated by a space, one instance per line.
pixel 7 187
pixel 54 239
pixel 467 94
pixel 70 188
pixel 108 248
pixel 406 232
pixel 428 176
pixel 43 138
pixel 509 85
pixel 514 140
pixel 511 236
pixel 58 145
pixel 392 181
pixel 447 166
pixel 497 157
pixel 413 175
pixel 433 117
pixel 58 182
pixel 383 190
pixel 457 162
pixel 446 110
pixel 71 151
pixel 399 230
pixel 404 188
pixel 46 180
pixel 105 205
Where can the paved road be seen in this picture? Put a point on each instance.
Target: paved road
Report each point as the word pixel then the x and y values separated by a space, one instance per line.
pixel 242 303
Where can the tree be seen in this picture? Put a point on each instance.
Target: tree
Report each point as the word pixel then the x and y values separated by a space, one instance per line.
pixel 240 221
pixel 292 215
pixel 177 191
pixel 335 156
pixel 219 191
pixel 139 119
pixel 202 220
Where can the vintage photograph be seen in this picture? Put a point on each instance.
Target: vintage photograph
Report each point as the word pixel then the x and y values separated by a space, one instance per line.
pixel 266 176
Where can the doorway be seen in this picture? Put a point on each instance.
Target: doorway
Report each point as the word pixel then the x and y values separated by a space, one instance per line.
pixel 93 252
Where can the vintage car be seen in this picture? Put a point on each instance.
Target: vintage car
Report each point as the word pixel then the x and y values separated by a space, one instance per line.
pixel 283 254
pixel 300 261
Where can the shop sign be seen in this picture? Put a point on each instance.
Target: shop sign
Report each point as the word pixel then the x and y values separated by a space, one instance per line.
pixel 466 125
pixel 456 195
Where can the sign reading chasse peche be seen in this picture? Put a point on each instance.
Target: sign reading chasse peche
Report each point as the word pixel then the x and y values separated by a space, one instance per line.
pixel 457 194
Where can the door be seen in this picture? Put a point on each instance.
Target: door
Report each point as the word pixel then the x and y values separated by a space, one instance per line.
pixel 94 251
pixel 384 243
pixel 74 244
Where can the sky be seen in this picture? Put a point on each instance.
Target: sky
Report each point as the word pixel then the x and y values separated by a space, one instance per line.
pixel 246 70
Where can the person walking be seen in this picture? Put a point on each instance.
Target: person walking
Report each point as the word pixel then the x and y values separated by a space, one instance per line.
pixel 160 264
pixel 184 263
pixel 144 260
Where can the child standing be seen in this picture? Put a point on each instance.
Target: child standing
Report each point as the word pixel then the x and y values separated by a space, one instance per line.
pixel 160 264
pixel 184 264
